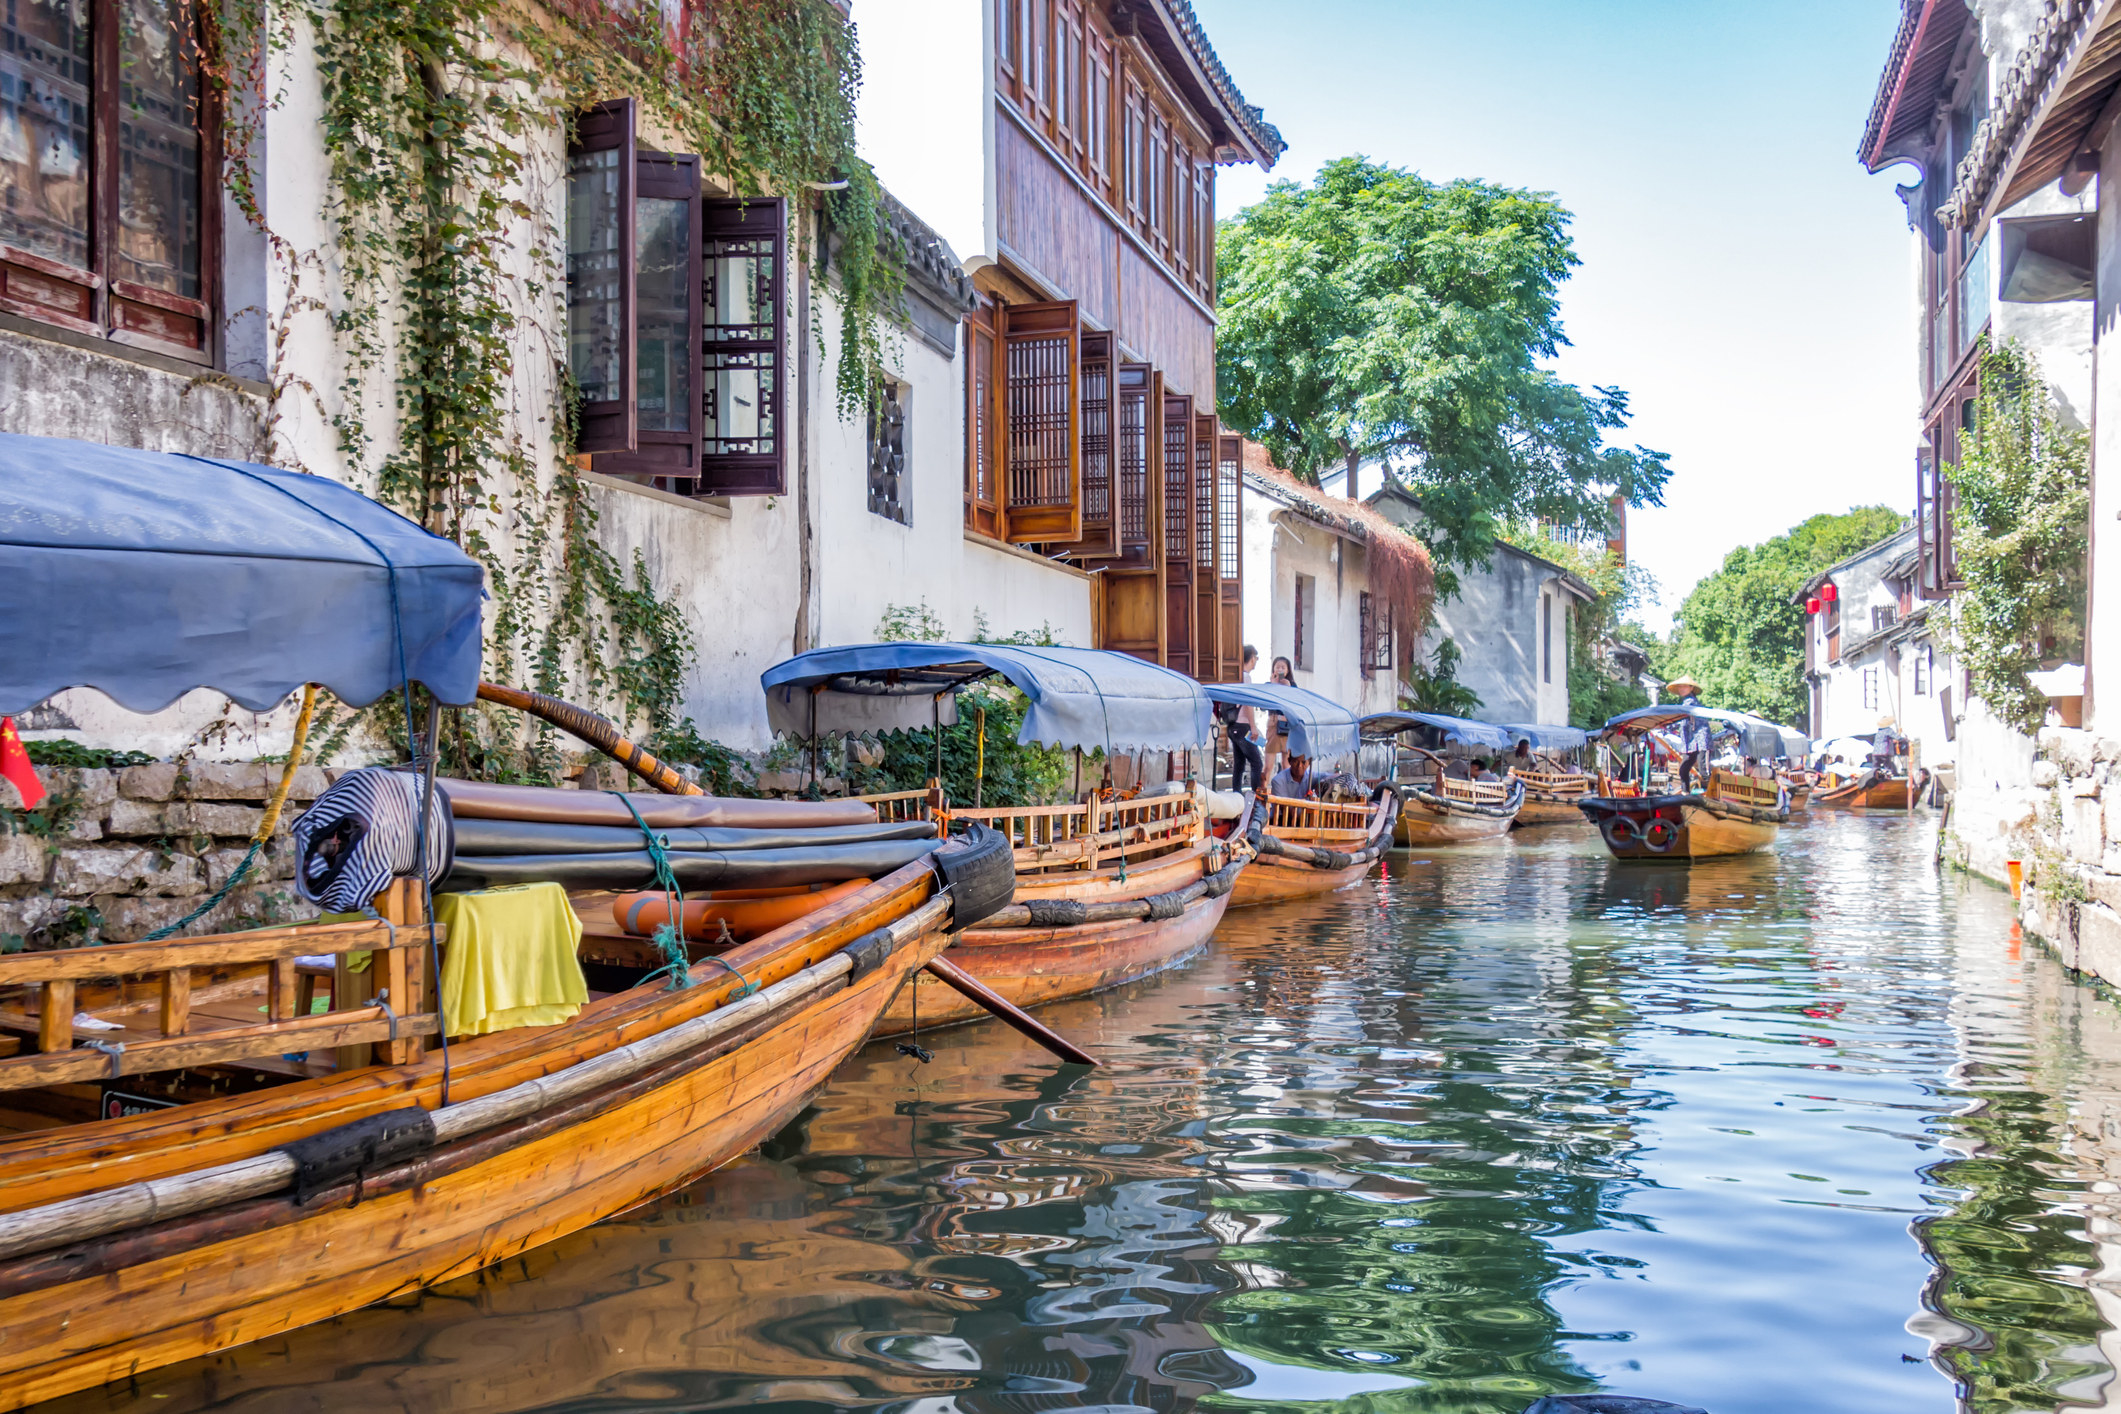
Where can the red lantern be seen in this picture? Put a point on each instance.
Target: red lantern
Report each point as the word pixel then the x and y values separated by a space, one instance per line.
pixel 1811 605
pixel 1829 593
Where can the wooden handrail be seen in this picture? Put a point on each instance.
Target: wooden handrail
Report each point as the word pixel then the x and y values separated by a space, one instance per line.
pixel 212 950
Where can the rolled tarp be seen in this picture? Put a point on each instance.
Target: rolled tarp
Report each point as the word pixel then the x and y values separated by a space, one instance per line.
pixel 703 869
pixel 485 800
pixel 491 837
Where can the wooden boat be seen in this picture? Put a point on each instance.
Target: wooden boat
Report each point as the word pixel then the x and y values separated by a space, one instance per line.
pixel 1734 815
pixel 1107 892
pixel 1447 810
pixel 1798 785
pixel 1867 790
pixel 1309 847
pixel 275 1193
pixel 1550 796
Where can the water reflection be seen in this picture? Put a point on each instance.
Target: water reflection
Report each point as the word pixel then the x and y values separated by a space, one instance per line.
pixel 1505 1121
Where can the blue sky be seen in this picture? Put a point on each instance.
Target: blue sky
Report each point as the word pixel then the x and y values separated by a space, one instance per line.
pixel 1743 278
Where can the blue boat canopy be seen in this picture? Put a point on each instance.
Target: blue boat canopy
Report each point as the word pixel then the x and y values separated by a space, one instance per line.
pixel 1080 697
pixel 1759 736
pixel 1549 738
pixel 1459 729
pixel 147 574
pixel 1319 727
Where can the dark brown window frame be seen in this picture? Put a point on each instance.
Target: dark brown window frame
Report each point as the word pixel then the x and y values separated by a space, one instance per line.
pixel 94 301
pixel 695 462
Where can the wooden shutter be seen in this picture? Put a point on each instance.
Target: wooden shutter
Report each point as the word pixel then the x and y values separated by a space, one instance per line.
pixel 1131 463
pixel 1210 652
pixel 1100 536
pixel 983 502
pixel 668 368
pixel 1041 432
pixel 601 174
pixel 745 290
pixel 1177 538
pixel 1230 549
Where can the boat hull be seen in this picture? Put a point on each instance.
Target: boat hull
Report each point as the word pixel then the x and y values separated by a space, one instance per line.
pixel 267 1266
pixel 1890 793
pixel 1666 828
pixel 1033 966
pixel 1272 879
pixel 1549 810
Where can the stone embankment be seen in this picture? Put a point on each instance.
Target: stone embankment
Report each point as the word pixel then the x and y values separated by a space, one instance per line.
pixel 2069 845
pixel 135 849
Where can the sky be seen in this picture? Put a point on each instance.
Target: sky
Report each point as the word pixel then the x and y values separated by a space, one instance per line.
pixel 1743 279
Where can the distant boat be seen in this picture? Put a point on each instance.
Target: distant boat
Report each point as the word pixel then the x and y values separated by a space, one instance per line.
pixel 1438 808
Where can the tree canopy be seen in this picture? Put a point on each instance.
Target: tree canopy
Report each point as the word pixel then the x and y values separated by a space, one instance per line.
pixel 1741 635
pixel 1375 317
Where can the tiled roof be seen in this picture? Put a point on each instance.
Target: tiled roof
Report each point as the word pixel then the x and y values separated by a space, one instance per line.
pixel 2024 91
pixel 1916 69
pixel 1263 135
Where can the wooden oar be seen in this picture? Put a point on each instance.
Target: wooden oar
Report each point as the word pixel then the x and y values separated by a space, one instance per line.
pixel 599 732
pixel 971 987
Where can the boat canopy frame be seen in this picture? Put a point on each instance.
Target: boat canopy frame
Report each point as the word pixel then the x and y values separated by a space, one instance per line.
pixel 1086 698
pixel 1459 729
pixel 1319 727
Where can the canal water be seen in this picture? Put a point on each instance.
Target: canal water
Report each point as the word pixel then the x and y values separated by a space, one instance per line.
pixel 1808 1131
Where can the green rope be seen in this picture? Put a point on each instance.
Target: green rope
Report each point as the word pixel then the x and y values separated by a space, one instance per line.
pixel 669 939
pixel 212 903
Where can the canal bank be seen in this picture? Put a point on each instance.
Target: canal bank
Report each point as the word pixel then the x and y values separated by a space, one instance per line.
pixel 1498 1121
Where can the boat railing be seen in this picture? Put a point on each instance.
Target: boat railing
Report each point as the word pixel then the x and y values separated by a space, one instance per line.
pixel 1472 792
pixel 141 1017
pixel 896 807
pixel 1296 819
pixel 1093 833
pixel 1742 790
pixel 1558 782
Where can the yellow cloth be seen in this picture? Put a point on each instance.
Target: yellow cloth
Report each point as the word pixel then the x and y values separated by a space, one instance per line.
pixel 511 959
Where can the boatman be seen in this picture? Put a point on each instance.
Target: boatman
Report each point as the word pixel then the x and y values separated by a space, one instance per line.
pixel 1693 737
pixel 1293 781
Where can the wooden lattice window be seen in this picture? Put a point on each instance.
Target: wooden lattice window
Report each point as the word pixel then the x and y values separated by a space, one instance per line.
pixel 983 506
pixel 1098 538
pixel 1204 493
pixel 1133 455
pixel 1375 630
pixel 1178 478
pixel 1301 629
pixel 742 453
pixel 1041 447
pixel 1229 473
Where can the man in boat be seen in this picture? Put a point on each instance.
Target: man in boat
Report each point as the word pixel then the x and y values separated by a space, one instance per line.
pixel 1884 747
pixel 1239 725
pixel 1293 781
pixel 1481 771
pixel 1693 736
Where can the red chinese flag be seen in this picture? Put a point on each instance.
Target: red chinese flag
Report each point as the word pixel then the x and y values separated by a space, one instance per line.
pixel 14 765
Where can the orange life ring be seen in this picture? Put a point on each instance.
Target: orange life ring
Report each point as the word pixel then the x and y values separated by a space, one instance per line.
pixel 748 912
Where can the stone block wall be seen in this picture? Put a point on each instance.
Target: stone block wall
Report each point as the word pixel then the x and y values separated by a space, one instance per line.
pixel 2071 851
pixel 139 847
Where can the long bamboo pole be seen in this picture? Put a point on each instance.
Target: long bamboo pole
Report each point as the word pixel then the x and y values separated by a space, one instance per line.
pixel 944 970
pixel 599 732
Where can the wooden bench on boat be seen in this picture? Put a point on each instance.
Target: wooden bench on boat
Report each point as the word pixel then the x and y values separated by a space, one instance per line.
pixel 1090 835
pixel 1445 809
pixel 1550 796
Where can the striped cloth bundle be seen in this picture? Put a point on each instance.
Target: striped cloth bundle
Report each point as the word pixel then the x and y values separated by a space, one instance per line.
pixel 360 835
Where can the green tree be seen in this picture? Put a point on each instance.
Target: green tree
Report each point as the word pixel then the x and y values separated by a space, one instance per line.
pixel 2020 533
pixel 1377 317
pixel 1741 633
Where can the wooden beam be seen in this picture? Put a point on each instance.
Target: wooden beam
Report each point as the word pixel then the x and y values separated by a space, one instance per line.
pixel 176 1001
pixel 62 1065
pixel 130 959
pixel 55 1015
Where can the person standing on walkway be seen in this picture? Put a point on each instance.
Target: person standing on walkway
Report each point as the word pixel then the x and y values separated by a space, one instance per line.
pixel 1693 736
pixel 1239 725
pixel 1277 729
